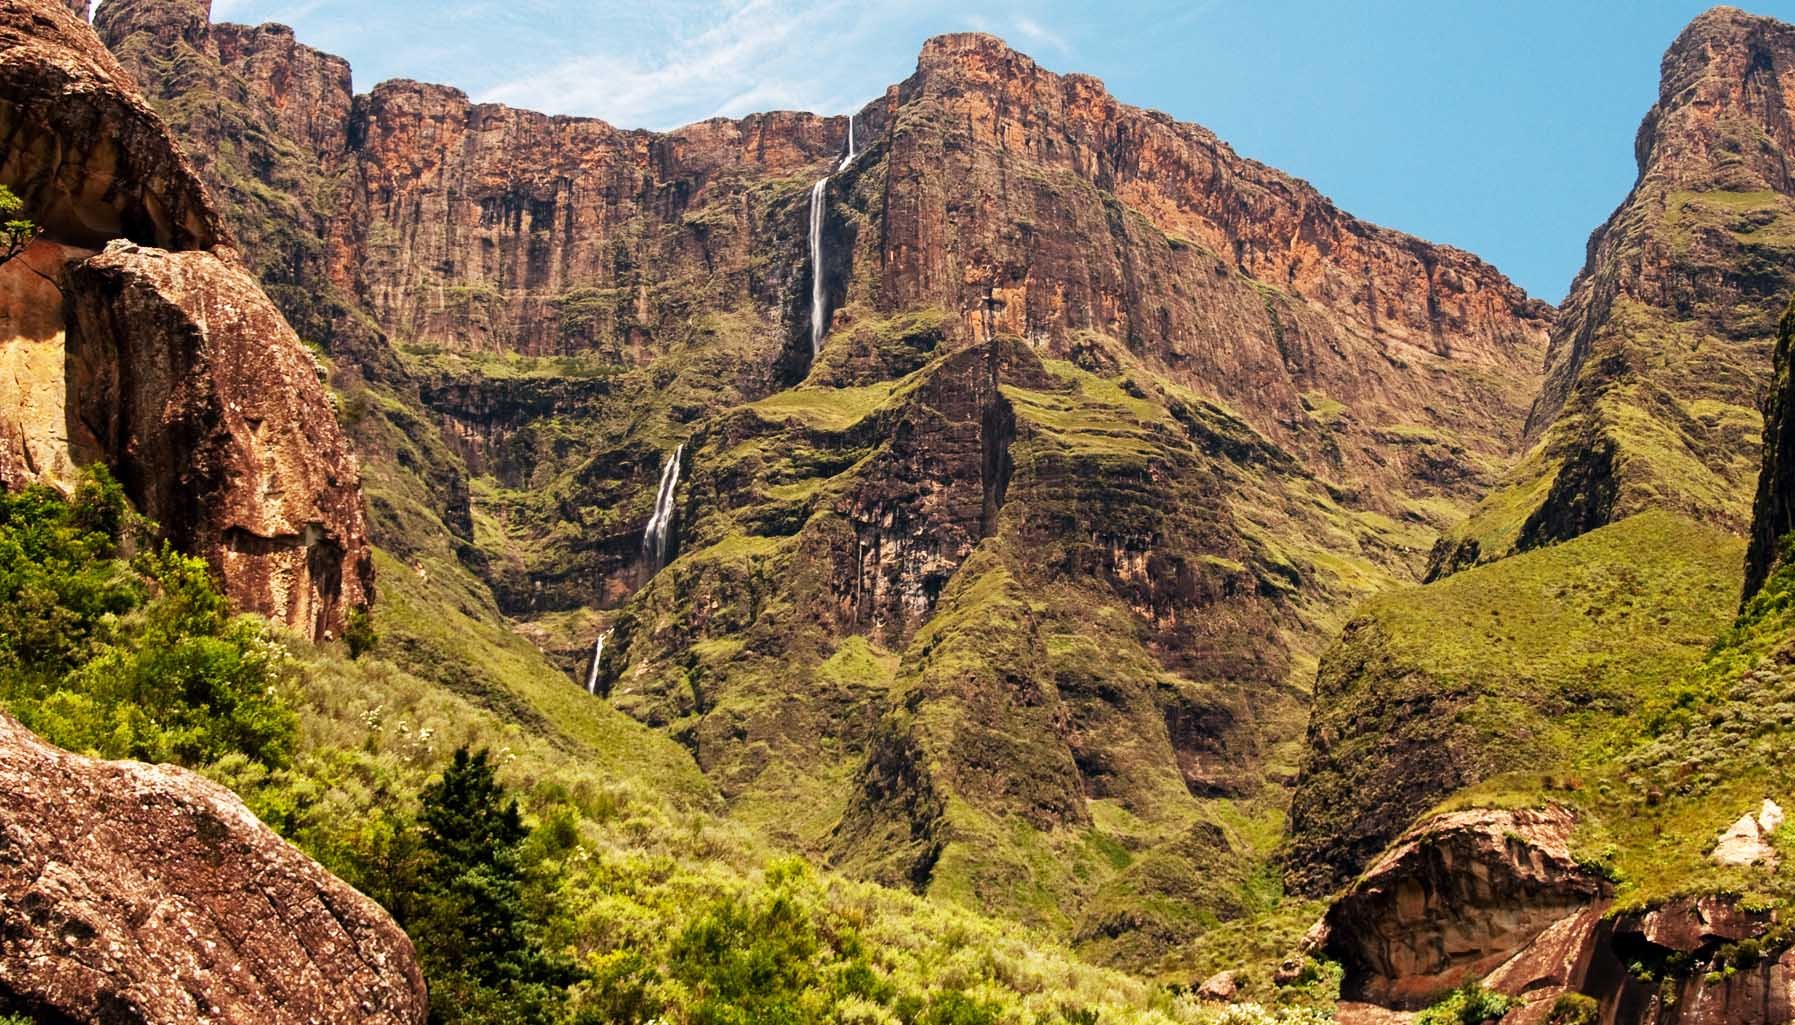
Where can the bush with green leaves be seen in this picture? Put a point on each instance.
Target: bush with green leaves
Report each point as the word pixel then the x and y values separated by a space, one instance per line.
pixel 127 653
pixel 1469 1004
pixel 17 231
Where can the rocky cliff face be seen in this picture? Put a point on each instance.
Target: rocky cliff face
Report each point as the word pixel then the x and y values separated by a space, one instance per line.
pixel 167 363
pixel 1662 350
pixel 1773 511
pixel 146 893
pixel 1108 425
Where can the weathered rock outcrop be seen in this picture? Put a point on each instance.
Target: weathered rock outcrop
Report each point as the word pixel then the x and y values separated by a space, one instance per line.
pixel 209 411
pixel 168 363
pixel 1456 898
pixel 1662 351
pixel 88 156
pixel 1497 896
pixel 147 893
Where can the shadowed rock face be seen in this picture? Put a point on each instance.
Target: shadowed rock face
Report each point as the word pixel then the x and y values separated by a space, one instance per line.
pixel 209 410
pixel 1496 896
pixel 1773 512
pixel 146 893
pixel 168 363
pixel 90 159
pixel 1455 899
pixel 1662 351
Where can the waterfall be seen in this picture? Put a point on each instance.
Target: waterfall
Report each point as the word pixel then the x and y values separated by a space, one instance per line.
pixel 818 325
pixel 816 266
pixel 656 538
pixel 598 653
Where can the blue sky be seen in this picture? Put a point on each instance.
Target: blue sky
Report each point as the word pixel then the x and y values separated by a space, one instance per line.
pixel 1502 127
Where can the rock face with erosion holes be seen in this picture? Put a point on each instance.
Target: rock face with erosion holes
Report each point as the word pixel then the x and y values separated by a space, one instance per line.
pixel 191 384
pixel 160 356
pixel 138 893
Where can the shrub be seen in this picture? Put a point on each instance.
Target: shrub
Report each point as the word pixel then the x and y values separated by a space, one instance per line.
pixel 359 632
pixel 1469 1004
pixel 1572 1009
pixel 133 657
pixel 17 231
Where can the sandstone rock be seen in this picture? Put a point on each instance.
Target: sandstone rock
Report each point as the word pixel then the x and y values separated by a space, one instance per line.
pixel 1220 987
pixel 146 893
pixel 1456 897
pixel 34 425
pixel 178 371
pixel 209 410
pixel 90 159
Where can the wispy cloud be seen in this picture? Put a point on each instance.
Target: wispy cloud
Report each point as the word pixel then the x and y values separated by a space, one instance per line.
pixel 1032 33
pixel 739 61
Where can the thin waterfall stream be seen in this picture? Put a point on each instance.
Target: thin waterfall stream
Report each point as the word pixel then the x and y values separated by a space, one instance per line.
pixel 598 654
pixel 657 538
pixel 818 323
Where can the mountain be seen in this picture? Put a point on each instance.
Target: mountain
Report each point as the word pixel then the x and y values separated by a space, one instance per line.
pixel 1658 362
pixel 1023 573
pixel 1553 769
pixel 1650 405
pixel 999 555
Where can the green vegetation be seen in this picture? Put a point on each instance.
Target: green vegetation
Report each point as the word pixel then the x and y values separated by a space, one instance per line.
pixel 544 877
pixel 128 657
pixel 1543 659
pixel 1469 1004
pixel 17 231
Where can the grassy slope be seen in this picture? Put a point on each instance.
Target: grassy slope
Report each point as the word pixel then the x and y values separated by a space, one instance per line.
pixel 1543 660
pixel 1682 416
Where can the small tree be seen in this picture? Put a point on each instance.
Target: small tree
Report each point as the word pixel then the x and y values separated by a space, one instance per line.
pixel 469 922
pixel 17 231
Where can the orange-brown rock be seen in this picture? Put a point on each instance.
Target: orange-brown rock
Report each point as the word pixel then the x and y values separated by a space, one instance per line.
pixel 168 363
pixel 1083 213
pixel 210 412
pixel 1455 898
pixel 88 156
pixel 1663 348
pixel 147 893
pixel 1399 368
pixel 1496 896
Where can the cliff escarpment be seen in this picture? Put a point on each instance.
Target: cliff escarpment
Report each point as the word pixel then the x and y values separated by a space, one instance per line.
pixel 1662 350
pixel 1011 590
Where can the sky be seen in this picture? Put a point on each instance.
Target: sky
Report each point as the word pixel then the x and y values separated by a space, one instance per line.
pixel 1505 128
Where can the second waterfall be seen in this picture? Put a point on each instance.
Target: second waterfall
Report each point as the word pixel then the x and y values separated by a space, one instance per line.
pixel 658 537
pixel 819 322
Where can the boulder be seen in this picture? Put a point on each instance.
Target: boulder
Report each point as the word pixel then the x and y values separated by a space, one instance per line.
pixel 210 412
pixel 136 893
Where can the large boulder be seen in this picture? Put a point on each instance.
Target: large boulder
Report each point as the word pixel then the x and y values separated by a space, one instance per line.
pixel 1455 898
pixel 133 893
pixel 209 409
pixel 169 364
